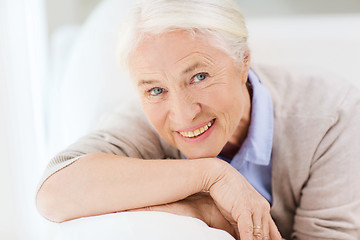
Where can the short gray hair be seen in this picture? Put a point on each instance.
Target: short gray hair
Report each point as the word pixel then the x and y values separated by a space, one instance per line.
pixel 220 19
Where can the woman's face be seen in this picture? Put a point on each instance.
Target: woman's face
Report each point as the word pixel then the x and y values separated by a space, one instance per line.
pixel 192 92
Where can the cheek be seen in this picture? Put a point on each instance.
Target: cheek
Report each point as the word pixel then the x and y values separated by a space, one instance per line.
pixel 228 105
pixel 154 113
pixel 157 116
pixel 226 99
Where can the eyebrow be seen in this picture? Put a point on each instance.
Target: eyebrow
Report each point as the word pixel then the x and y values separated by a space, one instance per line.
pixel 146 82
pixel 193 67
pixel 187 70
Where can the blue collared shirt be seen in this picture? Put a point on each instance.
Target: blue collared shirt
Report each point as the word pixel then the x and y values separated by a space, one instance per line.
pixel 253 160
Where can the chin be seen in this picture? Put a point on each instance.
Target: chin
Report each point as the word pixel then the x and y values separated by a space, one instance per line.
pixel 208 149
pixel 201 154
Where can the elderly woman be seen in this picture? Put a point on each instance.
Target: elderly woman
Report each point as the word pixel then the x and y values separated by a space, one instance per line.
pixel 247 150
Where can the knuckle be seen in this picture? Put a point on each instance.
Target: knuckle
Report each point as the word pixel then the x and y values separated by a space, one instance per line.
pixel 277 235
pixel 265 205
pixel 249 229
pixel 258 235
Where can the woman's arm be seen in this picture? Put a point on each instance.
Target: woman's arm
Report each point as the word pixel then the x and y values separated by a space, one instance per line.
pixel 100 183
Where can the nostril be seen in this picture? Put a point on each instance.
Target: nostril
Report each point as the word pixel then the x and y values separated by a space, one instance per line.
pixel 184 112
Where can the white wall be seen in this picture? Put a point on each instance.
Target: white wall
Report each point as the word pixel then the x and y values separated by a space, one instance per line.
pixel 270 8
pixel 328 43
pixel 61 12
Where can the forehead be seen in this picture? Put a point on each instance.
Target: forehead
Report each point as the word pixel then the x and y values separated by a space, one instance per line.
pixel 172 50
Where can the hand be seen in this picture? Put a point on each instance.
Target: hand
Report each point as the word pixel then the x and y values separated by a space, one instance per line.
pixel 200 206
pixel 243 206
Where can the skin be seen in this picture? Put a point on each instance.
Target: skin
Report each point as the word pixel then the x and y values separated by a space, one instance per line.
pixel 174 97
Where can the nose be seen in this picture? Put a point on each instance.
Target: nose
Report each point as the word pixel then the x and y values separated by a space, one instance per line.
pixel 183 109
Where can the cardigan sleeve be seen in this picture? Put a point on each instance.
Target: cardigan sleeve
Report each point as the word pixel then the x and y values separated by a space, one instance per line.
pixel 126 132
pixel 330 199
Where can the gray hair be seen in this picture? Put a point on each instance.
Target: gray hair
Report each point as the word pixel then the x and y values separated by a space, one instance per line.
pixel 221 20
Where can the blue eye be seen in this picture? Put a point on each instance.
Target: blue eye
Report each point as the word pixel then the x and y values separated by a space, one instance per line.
pixel 156 91
pixel 200 77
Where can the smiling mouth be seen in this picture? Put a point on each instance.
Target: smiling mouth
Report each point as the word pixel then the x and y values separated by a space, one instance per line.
pixel 197 132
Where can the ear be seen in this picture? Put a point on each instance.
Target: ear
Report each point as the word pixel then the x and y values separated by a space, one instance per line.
pixel 244 66
pixel 246 57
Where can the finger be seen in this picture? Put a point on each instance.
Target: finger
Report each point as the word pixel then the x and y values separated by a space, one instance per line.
pixel 257 225
pixel 274 232
pixel 245 226
pixel 266 227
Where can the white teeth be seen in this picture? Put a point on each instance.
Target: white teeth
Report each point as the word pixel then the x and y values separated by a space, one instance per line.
pixel 197 132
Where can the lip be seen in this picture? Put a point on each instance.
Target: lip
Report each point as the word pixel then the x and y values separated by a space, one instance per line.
pixel 201 137
pixel 193 128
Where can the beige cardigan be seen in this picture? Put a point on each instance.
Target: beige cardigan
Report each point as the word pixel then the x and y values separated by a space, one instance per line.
pixel 316 152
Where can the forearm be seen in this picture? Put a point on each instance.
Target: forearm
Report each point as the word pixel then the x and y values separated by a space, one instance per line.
pixel 103 183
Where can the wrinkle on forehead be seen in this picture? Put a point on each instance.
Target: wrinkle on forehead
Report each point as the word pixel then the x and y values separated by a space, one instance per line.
pixel 193 58
pixel 173 55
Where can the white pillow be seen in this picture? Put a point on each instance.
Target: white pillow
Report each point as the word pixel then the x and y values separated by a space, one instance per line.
pixel 92 83
pixel 139 226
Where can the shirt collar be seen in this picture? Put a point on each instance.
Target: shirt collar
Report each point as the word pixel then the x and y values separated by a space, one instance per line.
pixel 257 146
